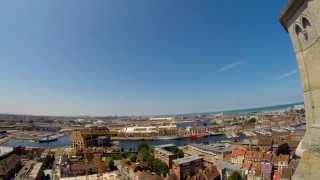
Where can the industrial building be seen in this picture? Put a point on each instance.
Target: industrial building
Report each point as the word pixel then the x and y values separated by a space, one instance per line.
pixel 93 137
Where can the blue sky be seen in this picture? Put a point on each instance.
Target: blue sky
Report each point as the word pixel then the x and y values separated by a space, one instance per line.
pixel 125 57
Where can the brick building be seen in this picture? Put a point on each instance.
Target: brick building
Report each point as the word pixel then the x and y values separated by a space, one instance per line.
pixel 187 166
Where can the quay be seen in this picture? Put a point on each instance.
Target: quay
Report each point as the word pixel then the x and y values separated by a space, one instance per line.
pixel 147 138
pixel 4 140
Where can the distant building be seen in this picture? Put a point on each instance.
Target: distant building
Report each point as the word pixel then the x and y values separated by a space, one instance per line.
pixel 90 137
pixel 135 171
pixel 266 170
pixel 283 174
pixel 238 155
pixel 226 169
pixel 187 166
pixel 161 118
pixel 147 129
pixel 281 161
pixel 46 127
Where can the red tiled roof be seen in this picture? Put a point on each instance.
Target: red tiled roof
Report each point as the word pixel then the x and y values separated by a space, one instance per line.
pixel 249 155
pixel 238 152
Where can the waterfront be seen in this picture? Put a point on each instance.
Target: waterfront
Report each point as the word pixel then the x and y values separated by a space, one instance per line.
pixel 61 142
pixel 126 145
pixel 132 145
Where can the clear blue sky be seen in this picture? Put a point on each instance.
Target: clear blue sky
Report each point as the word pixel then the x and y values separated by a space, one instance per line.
pixel 125 57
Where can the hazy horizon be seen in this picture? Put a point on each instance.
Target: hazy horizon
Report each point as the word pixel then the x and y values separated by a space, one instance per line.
pixel 162 115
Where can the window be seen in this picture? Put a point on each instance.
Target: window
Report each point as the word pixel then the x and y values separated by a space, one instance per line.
pixel 305 23
pixel 298 30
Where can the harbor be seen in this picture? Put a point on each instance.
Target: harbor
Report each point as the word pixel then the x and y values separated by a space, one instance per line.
pixel 124 144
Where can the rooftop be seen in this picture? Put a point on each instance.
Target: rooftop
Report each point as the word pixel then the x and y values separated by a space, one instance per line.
pixel 164 146
pixel 4 150
pixel 215 148
pixel 288 12
pixel 35 170
pixel 163 151
pixel 226 165
pixel 186 159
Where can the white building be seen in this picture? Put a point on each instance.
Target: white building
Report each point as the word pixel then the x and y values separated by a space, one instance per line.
pixel 161 118
pixel 146 129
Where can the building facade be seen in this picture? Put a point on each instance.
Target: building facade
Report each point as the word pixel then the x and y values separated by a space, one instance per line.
pixel 164 155
pixel 187 166
pixel 301 19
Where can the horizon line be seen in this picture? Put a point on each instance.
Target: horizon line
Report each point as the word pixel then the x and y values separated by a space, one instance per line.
pixel 157 115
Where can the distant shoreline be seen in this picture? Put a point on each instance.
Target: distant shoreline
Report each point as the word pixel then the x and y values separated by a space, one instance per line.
pixel 245 110
pixel 248 110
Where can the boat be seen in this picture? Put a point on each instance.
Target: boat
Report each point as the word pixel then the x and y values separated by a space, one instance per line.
pixel 167 137
pixel 48 139
pixel 198 136
pixel 216 133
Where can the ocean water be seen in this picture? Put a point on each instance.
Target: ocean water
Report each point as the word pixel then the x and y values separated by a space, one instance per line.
pixel 252 110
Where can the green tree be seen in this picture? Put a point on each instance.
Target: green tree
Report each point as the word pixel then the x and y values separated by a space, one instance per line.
pixel 252 120
pixel 30 155
pixel 110 162
pixel 235 176
pixel 144 153
pixel 175 150
pixel 214 123
pixel 133 158
pixel 144 147
pixel 159 167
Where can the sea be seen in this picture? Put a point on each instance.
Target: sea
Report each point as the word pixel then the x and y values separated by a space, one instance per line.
pixel 252 110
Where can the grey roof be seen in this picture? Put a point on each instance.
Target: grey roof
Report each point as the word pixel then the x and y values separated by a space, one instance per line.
pixel 226 165
pixel 164 146
pixel 163 151
pixel 215 148
pixel 4 150
pixel 186 159
pixel 288 12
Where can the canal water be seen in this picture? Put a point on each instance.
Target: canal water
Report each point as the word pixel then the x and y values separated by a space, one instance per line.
pixel 126 145
pixel 61 142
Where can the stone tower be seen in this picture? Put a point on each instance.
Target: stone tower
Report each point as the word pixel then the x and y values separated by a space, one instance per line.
pixel 301 19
